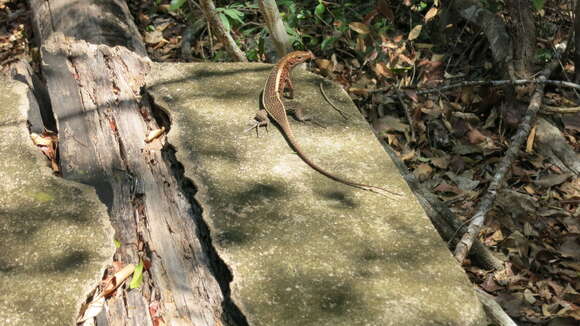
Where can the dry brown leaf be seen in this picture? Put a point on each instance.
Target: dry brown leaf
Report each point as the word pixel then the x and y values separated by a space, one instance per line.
pixel 385 10
pixel 370 16
pixel 408 155
pixel 571 189
pixel 440 162
pixel 359 91
pixel 382 70
pixel 412 94
pixel 360 45
pixel 325 66
pixel 571 247
pixel 530 141
pixel 154 37
pixel 154 134
pixel 444 187
pixel 117 280
pixel 489 284
pixel 530 189
pixel 359 28
pixel 93 309
pixel 553 179
pixel 40 141
pixel 388 124
pixel 431 13
pixel 475 136
pixel 423 171
pixel 415 32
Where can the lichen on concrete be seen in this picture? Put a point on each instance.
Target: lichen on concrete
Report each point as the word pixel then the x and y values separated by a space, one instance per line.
pixel 303 249
pixel 55 236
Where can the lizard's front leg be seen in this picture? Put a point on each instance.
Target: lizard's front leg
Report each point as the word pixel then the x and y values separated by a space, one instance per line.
pixel 260 120
pixel 289 88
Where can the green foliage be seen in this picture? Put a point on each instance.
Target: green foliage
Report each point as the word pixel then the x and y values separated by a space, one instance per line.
pixel 137 279
pixel 320 8
pixel 327 43
pixel 544 55
pixel 538 4
pixel 229 15
pixel 176 4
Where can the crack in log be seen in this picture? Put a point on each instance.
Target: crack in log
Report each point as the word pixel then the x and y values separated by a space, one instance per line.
pixel 217 266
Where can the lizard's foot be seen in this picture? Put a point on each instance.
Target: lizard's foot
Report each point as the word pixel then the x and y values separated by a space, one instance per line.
pixel 297 112
pixel 260 120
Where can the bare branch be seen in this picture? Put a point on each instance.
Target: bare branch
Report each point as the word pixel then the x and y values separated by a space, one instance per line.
pixel 209 10
pixel 275 26
pixel 494 310
pixel 486 203
pixel 577 41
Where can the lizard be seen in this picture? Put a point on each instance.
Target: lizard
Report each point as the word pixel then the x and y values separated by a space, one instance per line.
pixel 273 107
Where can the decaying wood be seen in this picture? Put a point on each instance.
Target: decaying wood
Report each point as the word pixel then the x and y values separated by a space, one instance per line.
pixel 494 29
pixel 523 31
pixel 551 143
pixel 95 67
pixel 38 120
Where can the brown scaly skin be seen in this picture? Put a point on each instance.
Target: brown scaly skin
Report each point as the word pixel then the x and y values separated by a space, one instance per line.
pixel 278 81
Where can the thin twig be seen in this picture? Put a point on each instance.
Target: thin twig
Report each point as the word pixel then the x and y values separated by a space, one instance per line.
pixel 344 115
pixel 555 109
pixel 486 203
pixel 408 115
pixel 504 82
pixel 493 309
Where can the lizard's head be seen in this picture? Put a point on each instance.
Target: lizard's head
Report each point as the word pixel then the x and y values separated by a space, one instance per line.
pixel 297 57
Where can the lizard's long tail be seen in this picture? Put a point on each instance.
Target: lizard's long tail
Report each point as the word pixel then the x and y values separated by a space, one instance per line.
pixel 294 144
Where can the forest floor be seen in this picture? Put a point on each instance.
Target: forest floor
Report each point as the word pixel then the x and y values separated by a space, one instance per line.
pixel 452 146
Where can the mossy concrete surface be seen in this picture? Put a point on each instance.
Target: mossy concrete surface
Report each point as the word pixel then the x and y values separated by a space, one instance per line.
pixel 303 249
pixel 55 237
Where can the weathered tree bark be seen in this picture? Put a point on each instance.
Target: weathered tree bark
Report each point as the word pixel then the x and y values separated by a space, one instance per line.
pixel 494 29
pixel 219 29
pixel 577 42
pixel 275 26
pixel 95 64
pixel 524 36
pixel 38 120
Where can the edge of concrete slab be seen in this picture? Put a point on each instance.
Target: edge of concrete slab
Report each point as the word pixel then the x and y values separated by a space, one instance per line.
pixel 222 217
pixel 47 212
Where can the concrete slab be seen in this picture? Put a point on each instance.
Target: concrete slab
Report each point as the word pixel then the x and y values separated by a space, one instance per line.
pixel 303 249
pixel 55 236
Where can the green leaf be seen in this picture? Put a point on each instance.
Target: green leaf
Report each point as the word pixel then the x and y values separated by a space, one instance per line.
pixel 137 279
pixel 176 4
pixel 319 10
pixel 327 43
pixel 538 4
pixel 252 54
pixel 225 21
pixel 235 15
pixel 117 244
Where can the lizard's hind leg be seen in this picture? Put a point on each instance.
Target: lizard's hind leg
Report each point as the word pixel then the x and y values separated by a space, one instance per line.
pixel 296 110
